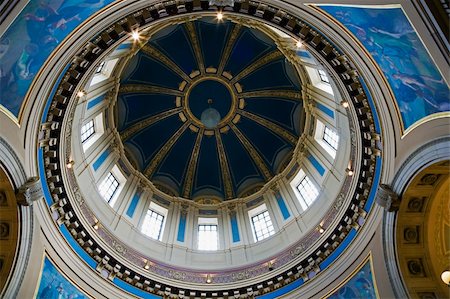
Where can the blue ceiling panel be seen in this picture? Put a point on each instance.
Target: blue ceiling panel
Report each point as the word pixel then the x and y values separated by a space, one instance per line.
pixel 208 174
pixel 138 106
pixel 283 115
pixel 266 143
pixel 150 71
pixel 213 38
pixel 152 138
pixel 208 103
pixel 239 160
pixel 176 162
pixel 249 47
pixel 176 37
pixel 263 79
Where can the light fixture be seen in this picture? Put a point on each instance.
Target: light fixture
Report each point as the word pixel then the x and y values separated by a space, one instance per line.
pixel 349 171
pixel 208 278
pixel 298 44
pixel 344 104
pixel 445 276
pixel 321 229
pixel 95 226
pixel 81 94
pixel 219 15
pixel 135 35
pixel 270 265
pixel 70 164
pixel 147 265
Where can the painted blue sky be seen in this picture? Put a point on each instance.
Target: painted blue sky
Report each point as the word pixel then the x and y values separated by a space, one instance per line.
pixel 31 38
pixel 419 88
pixel 54 285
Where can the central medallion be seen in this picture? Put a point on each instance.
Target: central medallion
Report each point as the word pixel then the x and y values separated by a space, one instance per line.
pixel 209 102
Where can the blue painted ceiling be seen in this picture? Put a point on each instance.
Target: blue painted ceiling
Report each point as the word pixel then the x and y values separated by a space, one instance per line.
pixel 187 68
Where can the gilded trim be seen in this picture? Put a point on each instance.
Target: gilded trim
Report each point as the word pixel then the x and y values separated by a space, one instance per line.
pixel 227 51
pixel 142 88
pixel 289 94
pixel 162 153
pixel 271 126
pixel 196 45
pixel 127 133
pixel 188 182
pixel 257 64
pixel 253 153
pixel 151 51
pixel 226 177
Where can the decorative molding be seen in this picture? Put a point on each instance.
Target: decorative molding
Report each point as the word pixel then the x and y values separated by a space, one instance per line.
pixel 189 181
pixel 387 198
pixel 151 168
pixel 259 162
pixel 226 176
pixel 130 131
pixel 196 44
pixel 30 192
pixel 288 136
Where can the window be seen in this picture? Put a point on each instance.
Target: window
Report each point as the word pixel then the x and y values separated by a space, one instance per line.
pixel 308 191
pixel 99 68
pixel 92 131
pixel 331 137
pixel 327 138
pixel 207 234
pixel 323 77
pixel 87 131
pixel 109 187
pixel 153 223
pixel 262 226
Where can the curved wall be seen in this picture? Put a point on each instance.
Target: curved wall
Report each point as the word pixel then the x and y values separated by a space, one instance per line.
pixel 396 149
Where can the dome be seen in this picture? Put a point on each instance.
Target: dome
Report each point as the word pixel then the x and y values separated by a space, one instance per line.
pixel 221 149
pixel 210 109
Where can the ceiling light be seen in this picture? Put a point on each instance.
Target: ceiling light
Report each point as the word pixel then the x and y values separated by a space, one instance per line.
pixel 208 278
pixel 147 265
pixel 95 226
pixel 344 104
pixel 70 164
pixel 445 276
pixel 299 44
pixel 80 94
pixel 321 229
pixel 349 171
pixel 135 35
pixel 219 15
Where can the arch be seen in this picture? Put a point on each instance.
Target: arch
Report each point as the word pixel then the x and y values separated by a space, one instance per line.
pixel 10 162
pixel 426 155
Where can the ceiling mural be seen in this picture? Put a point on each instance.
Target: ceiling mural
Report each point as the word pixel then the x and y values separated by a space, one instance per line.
pixel 209 108
pixel 40 27
pixel 359 285
pixel 53 284
pixel 418 86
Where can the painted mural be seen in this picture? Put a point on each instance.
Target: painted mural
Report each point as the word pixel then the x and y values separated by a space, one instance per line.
pixel 418 86
pixel 31 38
pixel 54 285
pixel 361 285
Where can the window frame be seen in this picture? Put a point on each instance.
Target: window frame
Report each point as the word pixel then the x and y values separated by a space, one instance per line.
pixel 104 190
pixel 305 193
pixel 207 222
pixel 256 212
pixel 87 129
pixel 323 76
pixel 150 223
pixel 333 136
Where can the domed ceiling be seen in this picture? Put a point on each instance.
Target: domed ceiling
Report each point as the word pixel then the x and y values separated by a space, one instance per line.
pixel 209 108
